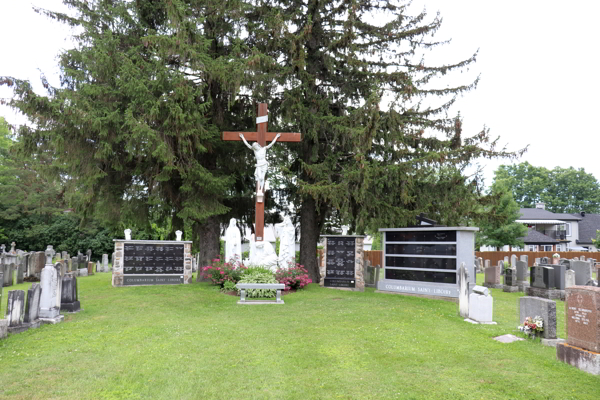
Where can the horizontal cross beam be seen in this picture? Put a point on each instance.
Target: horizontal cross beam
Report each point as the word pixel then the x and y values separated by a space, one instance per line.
pixel 269 136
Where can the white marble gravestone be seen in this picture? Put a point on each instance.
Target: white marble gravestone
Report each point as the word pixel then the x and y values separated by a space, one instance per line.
pixel 32 307
pixel 481 306
pixel 104 262
pixel 14 311
pixel 50 298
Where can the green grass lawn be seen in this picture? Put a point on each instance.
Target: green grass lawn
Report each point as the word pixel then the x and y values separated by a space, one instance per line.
pixel 192 342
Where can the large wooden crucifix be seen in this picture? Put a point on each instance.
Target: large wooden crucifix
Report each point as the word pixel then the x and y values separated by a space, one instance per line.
pixel 261 136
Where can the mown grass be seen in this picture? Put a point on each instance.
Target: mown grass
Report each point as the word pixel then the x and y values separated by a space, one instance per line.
pixel 192 342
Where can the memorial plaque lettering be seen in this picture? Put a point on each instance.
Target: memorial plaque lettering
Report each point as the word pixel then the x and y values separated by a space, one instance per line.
pixel 421 262
pixel 424 249
pixel 136 280
pixel 416 236
pixel 153 258
pixel 340 264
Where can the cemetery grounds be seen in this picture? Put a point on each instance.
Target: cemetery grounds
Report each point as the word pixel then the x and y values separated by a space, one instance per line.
pixel 193 342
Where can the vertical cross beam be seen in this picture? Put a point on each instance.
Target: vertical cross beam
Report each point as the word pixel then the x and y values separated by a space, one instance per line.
pixel 259 216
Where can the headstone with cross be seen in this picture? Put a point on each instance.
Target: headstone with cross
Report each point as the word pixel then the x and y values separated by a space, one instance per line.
pixel 261 136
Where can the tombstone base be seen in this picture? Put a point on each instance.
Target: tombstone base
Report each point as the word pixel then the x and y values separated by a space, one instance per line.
pixel 52 321
pixel 19 328
pixel 3 328
pixel 472 321
pixel 586 361
pixel 522 286
pixel 551 294
pixel 510 289
pixel 552 342
pixel 493 285
pixel 71 307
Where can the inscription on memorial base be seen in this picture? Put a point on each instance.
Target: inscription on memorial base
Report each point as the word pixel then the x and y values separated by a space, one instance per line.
pixel 132 280
pixel 421 288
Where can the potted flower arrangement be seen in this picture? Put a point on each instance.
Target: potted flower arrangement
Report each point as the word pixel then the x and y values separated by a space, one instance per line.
pixel 532 326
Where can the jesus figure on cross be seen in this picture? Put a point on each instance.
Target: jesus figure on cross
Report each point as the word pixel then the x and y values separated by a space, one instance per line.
pixel 262 164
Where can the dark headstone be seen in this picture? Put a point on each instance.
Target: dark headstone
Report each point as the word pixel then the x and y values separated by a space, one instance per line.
pixel 32 308
pixel 559 276
pixel 545 260
pixel 583 272
pixel 9 272
pixel 68 300
pixel 542 277
pixel 510 277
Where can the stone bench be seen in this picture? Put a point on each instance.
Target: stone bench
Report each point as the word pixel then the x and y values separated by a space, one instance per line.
pixel 244 286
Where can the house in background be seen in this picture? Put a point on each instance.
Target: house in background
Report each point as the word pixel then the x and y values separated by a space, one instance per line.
pixel 548 231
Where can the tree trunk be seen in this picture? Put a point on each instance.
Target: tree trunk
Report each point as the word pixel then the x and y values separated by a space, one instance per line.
pixel 206 237
pixel 311 223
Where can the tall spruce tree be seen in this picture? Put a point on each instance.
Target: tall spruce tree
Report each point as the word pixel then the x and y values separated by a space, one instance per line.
pixel 353 78
pixel 135 126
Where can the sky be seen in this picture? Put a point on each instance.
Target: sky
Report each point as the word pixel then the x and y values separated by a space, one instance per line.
pixel 537 61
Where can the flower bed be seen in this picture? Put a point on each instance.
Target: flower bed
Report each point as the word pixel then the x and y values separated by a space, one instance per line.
pixel 293 278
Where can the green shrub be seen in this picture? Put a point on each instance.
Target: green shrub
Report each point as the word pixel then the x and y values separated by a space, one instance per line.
pixel 229 286
pixel 259 277
pixel 257 270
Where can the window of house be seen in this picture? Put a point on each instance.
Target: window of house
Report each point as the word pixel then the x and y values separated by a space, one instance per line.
pixel 532 247
pixel 547 247
pixel 558 247
pixel 568 228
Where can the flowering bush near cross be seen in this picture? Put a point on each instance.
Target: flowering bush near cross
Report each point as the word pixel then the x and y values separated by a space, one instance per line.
pixel 294 277
pixel 220 272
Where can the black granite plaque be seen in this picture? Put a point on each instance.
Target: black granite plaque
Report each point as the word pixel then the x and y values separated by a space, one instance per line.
pixel 421 276
pixel 421 262
pixel 135 280
pixel 153 258
pixel 422 249
pixel 335 282
pixel 416 236
pixel 340 262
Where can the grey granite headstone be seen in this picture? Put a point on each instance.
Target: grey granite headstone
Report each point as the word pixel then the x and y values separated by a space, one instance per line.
pixel 538 261
pixel 21 269
pixel 104 262
pixel 69 300
pixel 522 271
pixel 8 272
pixel 524 258
pixel 583 272
pixel 513 260
pixel 74 263
pixel 3 328
pixel 569 278
pixel 32 307
pixel 487 263
pixel 542 277
pixel 89 255
pixel 566 263
pixel 463 291
pixel 506 259
pixel 82 272
pixel 559 276
pixel 14 308
pixel 80 259
pixel 581 258
pixel 64 255
pixel 534 306
pixel 99 266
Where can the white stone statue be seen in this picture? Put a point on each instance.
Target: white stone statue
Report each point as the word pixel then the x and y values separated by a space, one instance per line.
pixel 127 234
pixel 262 254
pixel 233 242
pixel 178 235
pixel 261 161
pixel 287 243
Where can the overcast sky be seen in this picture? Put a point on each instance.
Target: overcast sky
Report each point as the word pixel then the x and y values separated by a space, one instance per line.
pixel 538 62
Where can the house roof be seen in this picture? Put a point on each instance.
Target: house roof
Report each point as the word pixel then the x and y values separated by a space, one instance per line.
pixel 535 237
pixel 541 214
pixel 536 213
pixel 587 228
